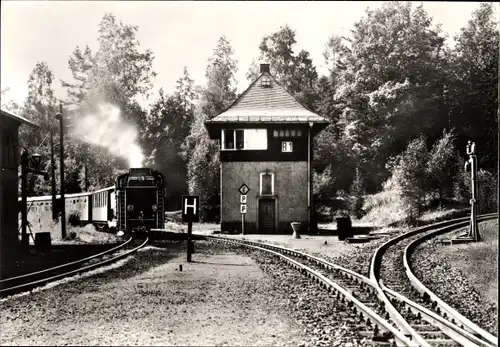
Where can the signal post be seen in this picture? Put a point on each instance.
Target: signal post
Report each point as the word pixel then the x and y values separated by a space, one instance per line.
pixel 243 205
pixel 471 165
pixel 190 214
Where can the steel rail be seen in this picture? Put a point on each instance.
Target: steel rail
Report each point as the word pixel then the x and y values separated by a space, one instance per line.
pixel 31 285
pixel 400 337
pixel 444 307
pixel 382 290
pixel 455 332
pixel 58 267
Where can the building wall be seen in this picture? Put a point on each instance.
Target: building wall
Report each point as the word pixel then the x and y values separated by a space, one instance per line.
pixel 9 162
pixel 290 192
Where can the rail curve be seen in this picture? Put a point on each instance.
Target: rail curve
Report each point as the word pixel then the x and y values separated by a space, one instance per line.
pixel 343 292
pixel 470 326
pixel 399 305
pixel 17 284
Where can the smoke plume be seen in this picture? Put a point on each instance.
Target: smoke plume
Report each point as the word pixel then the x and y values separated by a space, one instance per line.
pixel 107 129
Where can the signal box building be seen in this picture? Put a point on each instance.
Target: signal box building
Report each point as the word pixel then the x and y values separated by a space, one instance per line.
pixel 266 144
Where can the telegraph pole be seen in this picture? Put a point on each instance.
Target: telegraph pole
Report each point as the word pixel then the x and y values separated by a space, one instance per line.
pixel 53 175
pixel 59 116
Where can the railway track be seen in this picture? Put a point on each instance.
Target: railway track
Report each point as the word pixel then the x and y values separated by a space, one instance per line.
pixel 374 309
pixel 420 313
pixel 355 293
pixel 28 282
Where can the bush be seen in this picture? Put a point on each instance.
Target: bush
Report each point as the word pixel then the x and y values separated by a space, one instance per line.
pixel 71 235
pixel 442 168
pixel 74 219
pixel 410 177
pixel 486 190
pixel 356 200
pixel 323 184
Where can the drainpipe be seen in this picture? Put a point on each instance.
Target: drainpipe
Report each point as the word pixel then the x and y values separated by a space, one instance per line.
pixel 309 178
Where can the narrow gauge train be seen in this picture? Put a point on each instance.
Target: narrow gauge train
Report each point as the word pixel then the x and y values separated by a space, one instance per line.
pixel 134 203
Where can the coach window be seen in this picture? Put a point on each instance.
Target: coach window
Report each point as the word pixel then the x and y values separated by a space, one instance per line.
pixel 266 183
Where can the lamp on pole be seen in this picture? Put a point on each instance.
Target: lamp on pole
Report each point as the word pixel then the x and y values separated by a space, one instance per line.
pixel 25 170
pixel 59 117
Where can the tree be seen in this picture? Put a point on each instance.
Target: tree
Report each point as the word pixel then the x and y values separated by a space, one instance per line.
pixel 443 167
pixel 40 107
pixel 295 72
pixel 9 105
pixel 410 177
pixel 112 77
pixel 185 91
pixel 390 85
pixel 167 125
pixel 474 88
pixel 201 153
pixel 117 72
pixel 357 195
pixel 335 54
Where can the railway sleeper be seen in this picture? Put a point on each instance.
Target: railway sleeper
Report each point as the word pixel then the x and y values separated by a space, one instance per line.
pixel 443 343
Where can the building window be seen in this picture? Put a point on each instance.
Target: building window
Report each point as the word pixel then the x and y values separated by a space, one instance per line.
pixel 265 82
pixel 244 139
pixel 287 133
pixel 287 146
pixel 266 183
pixel 239 139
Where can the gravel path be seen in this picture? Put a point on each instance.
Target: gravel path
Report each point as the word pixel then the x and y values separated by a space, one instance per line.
pixel 220 299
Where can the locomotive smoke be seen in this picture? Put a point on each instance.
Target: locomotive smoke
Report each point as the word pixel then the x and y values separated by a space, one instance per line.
pixel 108 130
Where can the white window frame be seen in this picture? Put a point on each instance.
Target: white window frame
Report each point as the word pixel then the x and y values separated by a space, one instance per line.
pixel 289 146
pixel 223 138
pixel 272 183
pixel 245 141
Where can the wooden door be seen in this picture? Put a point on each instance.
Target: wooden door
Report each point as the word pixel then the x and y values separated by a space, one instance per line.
pixel 267 215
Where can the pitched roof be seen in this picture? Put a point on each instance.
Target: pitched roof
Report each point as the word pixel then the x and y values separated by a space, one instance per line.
pixel 17 118
pixel 267 104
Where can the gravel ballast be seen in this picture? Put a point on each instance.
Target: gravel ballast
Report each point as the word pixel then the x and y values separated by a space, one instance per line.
pixel 220 299
pixel 462 274
pixel 226 296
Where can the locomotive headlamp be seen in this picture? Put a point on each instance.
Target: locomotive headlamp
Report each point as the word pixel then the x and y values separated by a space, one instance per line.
pixel 154 207
pixel 130 208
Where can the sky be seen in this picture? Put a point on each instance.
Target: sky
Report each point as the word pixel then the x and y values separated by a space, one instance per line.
pixel 180 33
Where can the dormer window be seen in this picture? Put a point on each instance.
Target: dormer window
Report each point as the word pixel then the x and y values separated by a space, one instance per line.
pixel 265 81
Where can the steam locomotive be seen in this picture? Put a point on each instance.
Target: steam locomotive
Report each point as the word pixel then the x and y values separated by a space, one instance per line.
pixel 134 204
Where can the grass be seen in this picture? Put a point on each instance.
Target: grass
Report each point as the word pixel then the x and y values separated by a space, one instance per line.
pixel 478 261
pixel 383 209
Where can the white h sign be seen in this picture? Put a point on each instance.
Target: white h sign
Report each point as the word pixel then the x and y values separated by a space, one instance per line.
pixel 190 207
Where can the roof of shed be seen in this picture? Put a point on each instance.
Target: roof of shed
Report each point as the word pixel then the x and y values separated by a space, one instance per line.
pixel 17 118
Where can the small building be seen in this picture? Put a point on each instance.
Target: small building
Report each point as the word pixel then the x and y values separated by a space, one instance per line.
pixel 9 160
pixel 266 139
